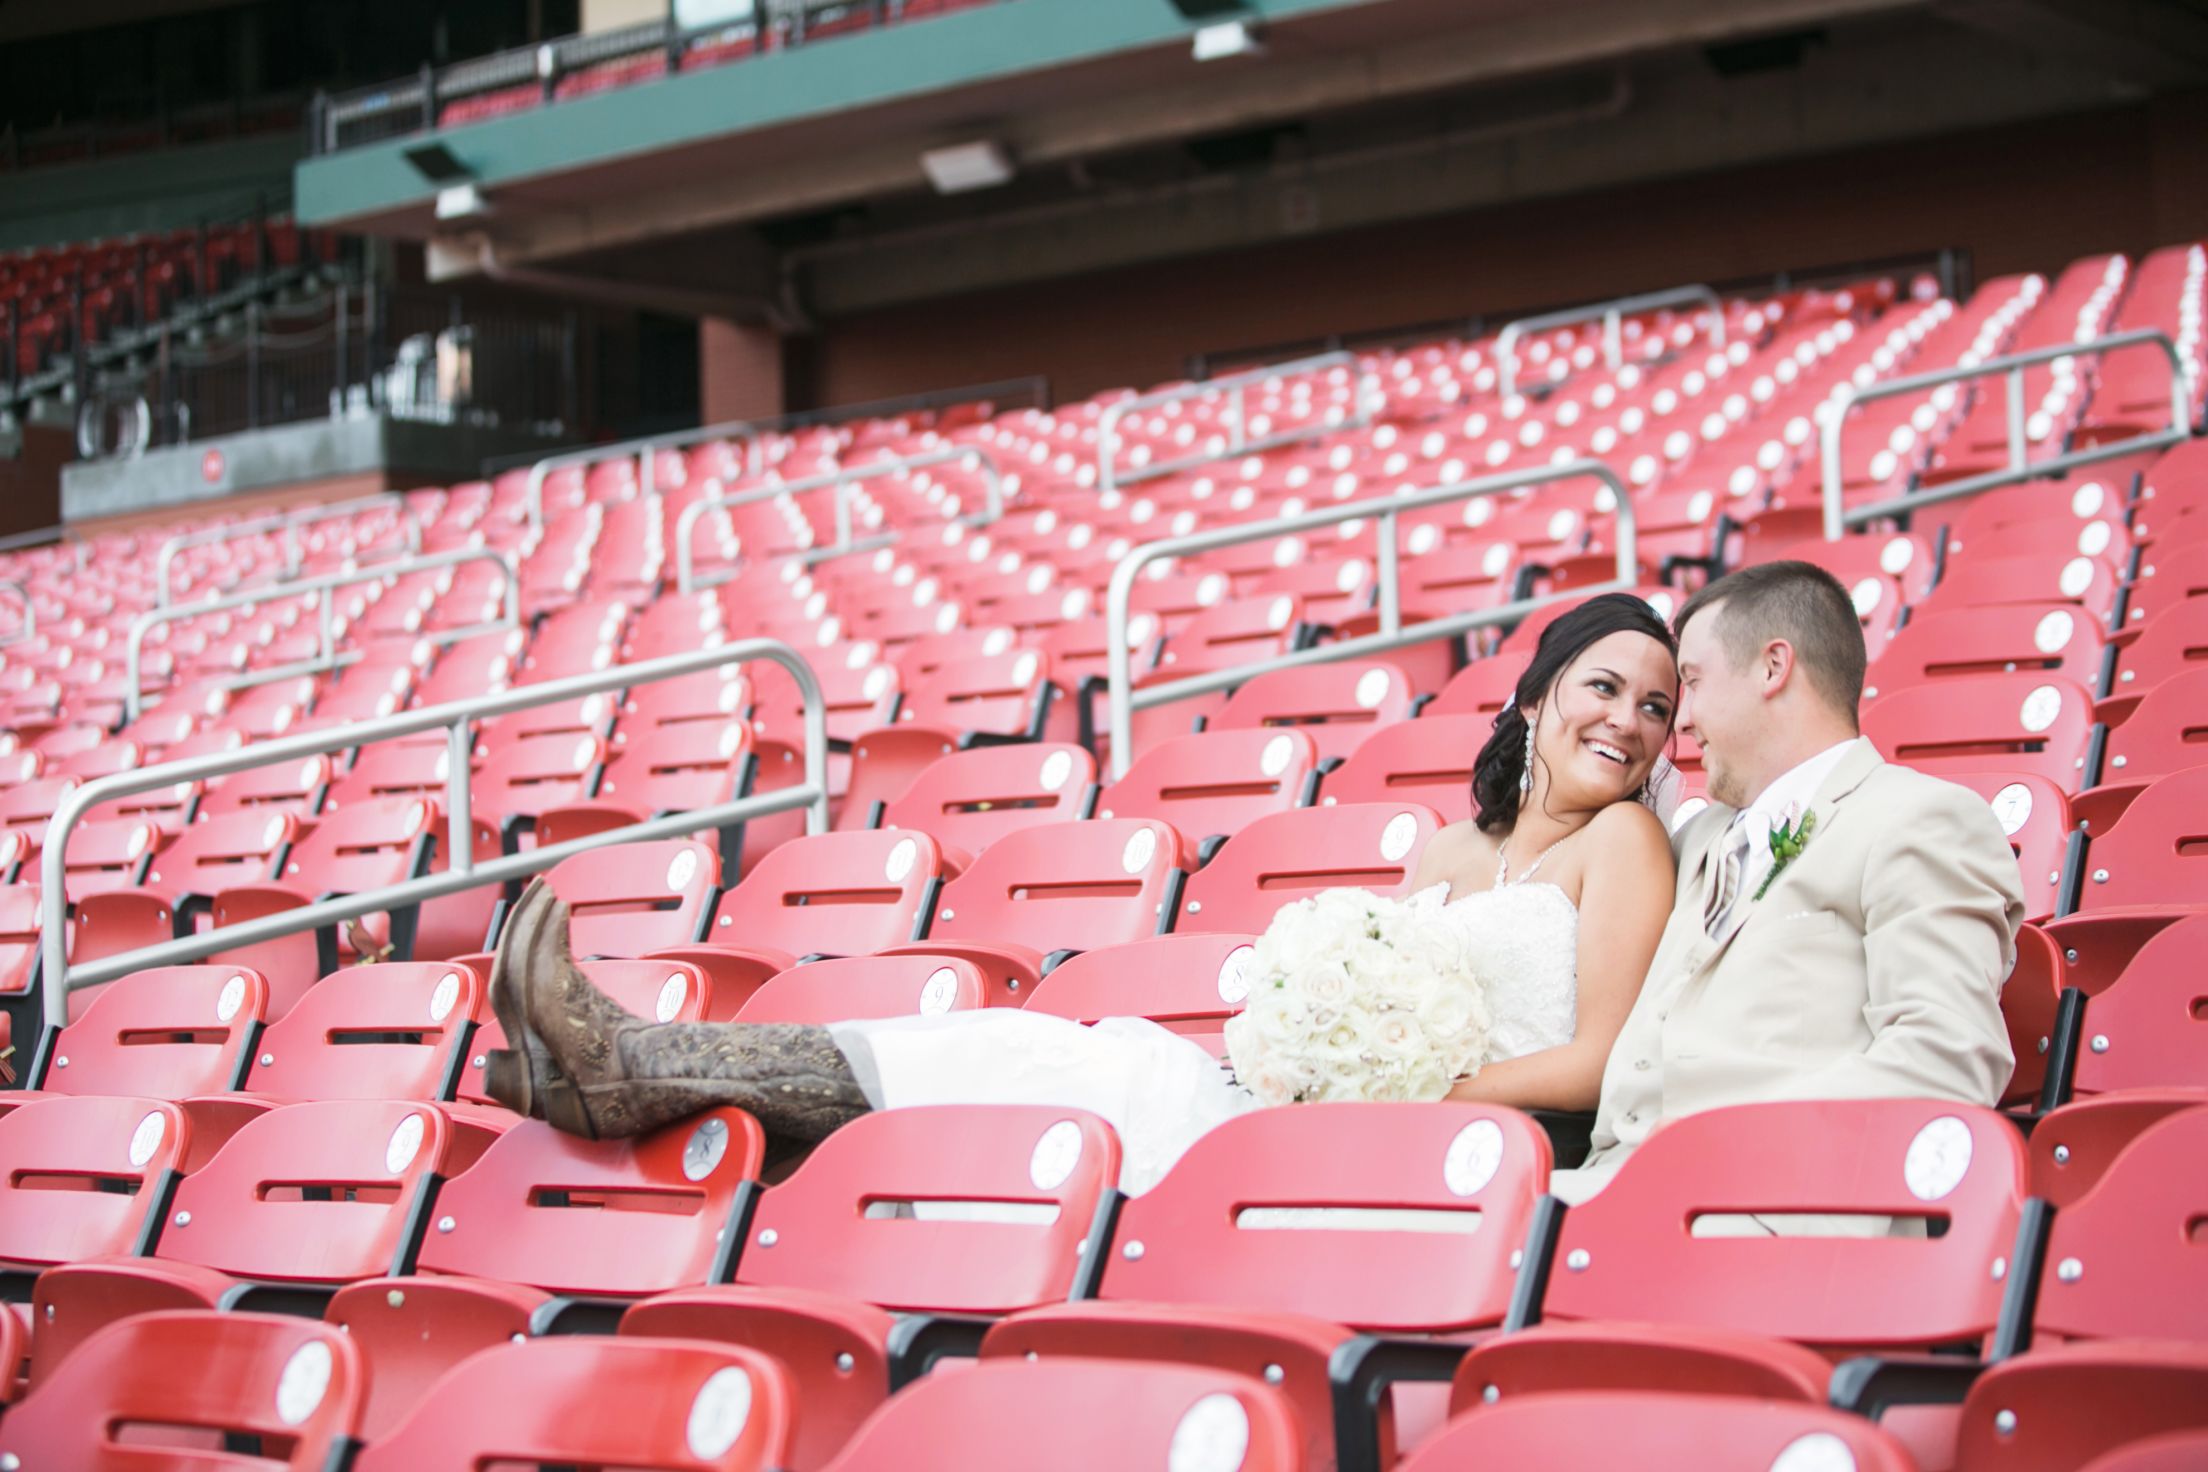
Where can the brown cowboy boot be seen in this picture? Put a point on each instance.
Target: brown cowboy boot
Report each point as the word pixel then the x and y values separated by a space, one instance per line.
pixel 517 1075
pixel 607 1073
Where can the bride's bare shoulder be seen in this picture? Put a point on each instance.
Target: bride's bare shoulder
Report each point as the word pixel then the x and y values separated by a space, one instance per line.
pixel 1453 852
pixel 1628 833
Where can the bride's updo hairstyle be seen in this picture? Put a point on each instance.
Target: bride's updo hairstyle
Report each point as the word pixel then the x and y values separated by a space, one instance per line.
pixel 1502 762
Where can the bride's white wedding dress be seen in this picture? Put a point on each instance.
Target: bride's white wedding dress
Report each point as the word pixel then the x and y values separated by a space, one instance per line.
pixel 1161 1091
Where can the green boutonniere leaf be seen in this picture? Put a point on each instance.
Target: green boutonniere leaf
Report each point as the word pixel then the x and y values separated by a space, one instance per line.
pixel 1787 842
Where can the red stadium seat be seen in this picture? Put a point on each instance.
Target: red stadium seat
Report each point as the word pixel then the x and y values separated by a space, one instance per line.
pixel 1483 687
pixel 2140 876
pixel 1582 1431
pixel 2169 645
pixel 827 894
pixel 1337 705
pixel 1211 785
pixel 967 800
pixel 168 1033
pixel 903 1212
pixel 1078 1416
pixel 2057 1409
pixel 2038 818
pixel 665 769
pixel 299 1201
pixel 635 1402
pixel 2148 1027
pixel 57 1158
pixel 394 1031
pixel 2064 576
pixel 553 1234
pixel 852 987
pixel 1425 761
pixel 151 1392
pixel 520 782
pixel 1190 984
pixel 2072 1147
pixel 2166 732
pixel 1293 855
pixel 213 854
pixel 2039 725
pixel 2002 638
pixel 631 898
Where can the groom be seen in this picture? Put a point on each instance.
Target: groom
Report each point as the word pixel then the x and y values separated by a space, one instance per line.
pixel 1843 926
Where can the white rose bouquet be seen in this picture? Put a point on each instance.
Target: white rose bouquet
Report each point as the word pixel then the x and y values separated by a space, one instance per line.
pixel 1354 996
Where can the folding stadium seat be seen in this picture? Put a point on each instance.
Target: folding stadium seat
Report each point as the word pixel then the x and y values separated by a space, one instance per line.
pixel 2141 876
pixel 2091 583
pixel 1658 1292
pixel 1293 855
pixel 370 846
pixel 80 1177
pixel 2171 572
pixel 1212 784
pixel 591 715
pixel 662 990
pixel 263 711
pixel 297 788
pixel 1581 1431
pixel 27 807
pixel 1078 1416
pixel 169 1033
pixel 627 899
pixel 852 987
pixel 1190 984
pixel 598 1402
pixel 2166 732
pixel 1427 761
pixel 2002 638
pixel 552 1234
pixel 520 782
pixel 2142 1029
pixel 298 1202
pixel 475 665
pixel 904 1212
pixel 1337 705
pixel 711 697
pixel 398 1030
pixel 167 1389
pixel 102 856
pixel 2166 646
pixel 662 770
pixel 2085 1404
pixel 967 800
pixel 922 657
pixel 1483 687
pixel 1209 1269
pixel 817 896
pixel 2029 723
pixel 2037 817
pixel 1040 894
pixel 2073 1145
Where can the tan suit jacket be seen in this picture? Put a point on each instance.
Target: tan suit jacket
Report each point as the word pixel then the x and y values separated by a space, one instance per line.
pixel 1871 968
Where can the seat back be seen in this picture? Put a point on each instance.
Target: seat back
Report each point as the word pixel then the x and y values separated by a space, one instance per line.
pixel 86 1177
pixel 221 852
pixel 369 845
pixel 675 1405
pixel 1684 1233
pixel 2035 814
pixel 1667 1431
pixel 868 986
pixel 2049 638
pixel 2041 725
pixel 835 1225
pixel 1235 632
pixel 2173 641
pixel 299 1384
pixel 325 1192
pixel 391 1031
pixel 296 788
pixel 1002 694
pixel 635 897
pixel 1079 1415
pixel 1293 855
pixel 1482 688
pixel 679 766
pixel 834 894
pixel 1072 886
pixel 526 777
pixel 969 799
pixel 1424 761
pixel 614 1218
pixel 1337 705
pixel 1189 984
pixel 169 1033
pixel 2157 854
pixel 2061 574
pixel 2166 733
pixel 2124 1260
pixel 1215 783
pixel 2102 1406
pixel 1386 1217
pixel 2150 1029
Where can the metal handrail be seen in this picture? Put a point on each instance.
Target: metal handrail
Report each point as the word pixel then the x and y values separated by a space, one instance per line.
pixel 44 536
pixel 289 523
pixel 457 718
pixel 1109 476
pixel 30 612
pixel 533 495
pixel 1122 700
pixel 992 480
pixel 1838 518
pixel 1613 314
pixel 328 657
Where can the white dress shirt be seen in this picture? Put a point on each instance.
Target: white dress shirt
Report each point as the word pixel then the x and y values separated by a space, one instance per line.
pixel 1790 793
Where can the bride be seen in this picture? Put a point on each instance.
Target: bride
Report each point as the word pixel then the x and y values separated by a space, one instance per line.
pixel 1565 827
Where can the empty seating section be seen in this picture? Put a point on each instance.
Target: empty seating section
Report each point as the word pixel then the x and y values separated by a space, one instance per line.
pixel 279 1165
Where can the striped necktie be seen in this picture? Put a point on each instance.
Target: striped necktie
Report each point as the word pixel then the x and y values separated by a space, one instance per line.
pixel 1732 865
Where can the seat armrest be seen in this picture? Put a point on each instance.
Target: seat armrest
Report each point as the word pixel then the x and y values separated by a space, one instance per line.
pixel 1869 1384
pixel 1362 1372
pixel 917 1341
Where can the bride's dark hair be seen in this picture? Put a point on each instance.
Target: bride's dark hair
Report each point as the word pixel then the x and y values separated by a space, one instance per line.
pixel 1502 762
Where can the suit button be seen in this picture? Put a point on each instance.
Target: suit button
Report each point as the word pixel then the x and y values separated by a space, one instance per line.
pixel 1641 1064
pixel 1664 1016
pixel 1632 1119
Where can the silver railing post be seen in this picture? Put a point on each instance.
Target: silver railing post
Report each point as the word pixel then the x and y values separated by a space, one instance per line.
pixel 687 579
pixel 1612 315
pixel 30 612
pixel 1123 700
pixel 458 719
pixel 1363 405
pixel 1834 413
pixel 328 658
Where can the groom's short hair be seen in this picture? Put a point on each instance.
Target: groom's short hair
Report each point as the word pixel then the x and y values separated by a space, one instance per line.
pixel 1799 602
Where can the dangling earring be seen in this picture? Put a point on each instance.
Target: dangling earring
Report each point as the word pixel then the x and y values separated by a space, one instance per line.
pixel 1525 775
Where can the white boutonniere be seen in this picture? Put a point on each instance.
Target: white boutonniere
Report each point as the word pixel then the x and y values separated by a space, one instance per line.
pixel 1788 838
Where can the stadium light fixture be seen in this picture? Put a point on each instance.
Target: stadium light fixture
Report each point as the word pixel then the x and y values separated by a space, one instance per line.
pixel 461 202
pixel 1228 38
pixel 964 167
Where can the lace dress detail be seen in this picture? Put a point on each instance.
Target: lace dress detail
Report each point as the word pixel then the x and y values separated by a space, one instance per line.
pixel 1160 1091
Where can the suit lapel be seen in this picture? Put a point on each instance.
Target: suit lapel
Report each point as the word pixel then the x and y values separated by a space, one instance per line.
pixel 1862 760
